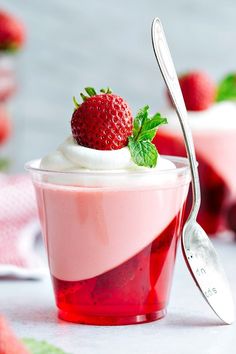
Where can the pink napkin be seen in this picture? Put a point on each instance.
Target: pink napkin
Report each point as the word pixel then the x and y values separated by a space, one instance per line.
pixel 20 254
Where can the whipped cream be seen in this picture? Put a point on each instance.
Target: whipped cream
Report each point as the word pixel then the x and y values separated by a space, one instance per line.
pixel 71 157
pixel 103 168
pixel 220 116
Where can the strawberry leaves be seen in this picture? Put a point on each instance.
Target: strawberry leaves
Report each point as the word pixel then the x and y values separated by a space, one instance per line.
pixel 75 102
pixel 142 151
pixel 90 92
pixel 106 90
pixel 227 88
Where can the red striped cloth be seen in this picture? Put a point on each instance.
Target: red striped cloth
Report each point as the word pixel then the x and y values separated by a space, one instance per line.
pixel 19 228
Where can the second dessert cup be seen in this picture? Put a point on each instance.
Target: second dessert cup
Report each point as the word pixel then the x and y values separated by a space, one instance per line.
pixel 214 132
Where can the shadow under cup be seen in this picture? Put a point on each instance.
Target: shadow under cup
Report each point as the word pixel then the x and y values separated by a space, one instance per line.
pixel 111 240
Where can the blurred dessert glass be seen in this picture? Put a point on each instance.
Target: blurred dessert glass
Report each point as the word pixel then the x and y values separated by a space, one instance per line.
pixel 214 134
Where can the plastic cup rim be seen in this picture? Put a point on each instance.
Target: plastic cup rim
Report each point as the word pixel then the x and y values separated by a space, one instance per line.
pixel 31 166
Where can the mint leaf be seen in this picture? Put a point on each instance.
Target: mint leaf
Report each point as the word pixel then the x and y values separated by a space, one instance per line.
pixel 227 88
pixel 143 153
pixel 155 121
pixel 139 120
pixel 150 126
pixel 147 135
pixel 41 347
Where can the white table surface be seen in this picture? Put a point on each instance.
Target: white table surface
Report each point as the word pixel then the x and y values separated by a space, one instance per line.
pixel 190 326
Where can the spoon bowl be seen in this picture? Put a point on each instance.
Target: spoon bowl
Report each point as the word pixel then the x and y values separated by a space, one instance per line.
pixel 205 268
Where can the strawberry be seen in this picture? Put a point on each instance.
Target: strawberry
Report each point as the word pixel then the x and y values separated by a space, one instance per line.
pixel 9 343
pixel 12 33
pixel 199 91
pixel 103 121
pixel 5 126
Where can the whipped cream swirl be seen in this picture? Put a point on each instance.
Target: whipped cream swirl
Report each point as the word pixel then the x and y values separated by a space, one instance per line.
pixel 72 157
pixel 221 116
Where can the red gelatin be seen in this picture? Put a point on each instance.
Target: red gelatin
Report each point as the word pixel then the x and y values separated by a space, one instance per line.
pixel 134 292
pixel 215 195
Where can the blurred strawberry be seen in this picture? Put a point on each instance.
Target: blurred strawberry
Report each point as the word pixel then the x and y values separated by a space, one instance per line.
pixel 9 343
pixel 198 89
pixel 12 32
pixel 5 125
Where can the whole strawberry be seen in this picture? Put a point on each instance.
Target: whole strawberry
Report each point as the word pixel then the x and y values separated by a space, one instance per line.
pixel 103 121
pixel 9 343
pixel 12 33
pixel 199 91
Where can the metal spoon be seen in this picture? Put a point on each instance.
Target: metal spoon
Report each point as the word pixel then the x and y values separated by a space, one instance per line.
pixel 198 251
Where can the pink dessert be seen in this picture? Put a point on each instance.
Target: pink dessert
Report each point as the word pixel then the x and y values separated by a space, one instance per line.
pixel 214 131
pixel 111 226
pixel 111 251
pixel 218 186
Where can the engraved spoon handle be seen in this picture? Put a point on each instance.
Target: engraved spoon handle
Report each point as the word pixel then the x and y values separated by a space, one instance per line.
pixel 167 69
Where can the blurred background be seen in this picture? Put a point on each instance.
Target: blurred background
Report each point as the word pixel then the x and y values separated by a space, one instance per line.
pixel 73 44
pixel 65 46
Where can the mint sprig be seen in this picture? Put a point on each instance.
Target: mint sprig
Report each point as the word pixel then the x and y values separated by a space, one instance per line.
pixel 41 347
pixel 142 150
pixel 227 88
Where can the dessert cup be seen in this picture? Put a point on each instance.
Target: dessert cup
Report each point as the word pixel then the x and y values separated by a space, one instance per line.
pixel 214 135
pixel 111 239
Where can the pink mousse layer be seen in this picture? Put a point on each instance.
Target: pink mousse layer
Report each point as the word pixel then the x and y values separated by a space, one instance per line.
pixel 89 231
pixel 216 148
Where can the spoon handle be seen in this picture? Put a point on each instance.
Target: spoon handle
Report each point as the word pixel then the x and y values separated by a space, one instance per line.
pixel 167 69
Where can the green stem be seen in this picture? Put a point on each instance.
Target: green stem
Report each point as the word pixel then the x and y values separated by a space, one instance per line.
pixel 75 102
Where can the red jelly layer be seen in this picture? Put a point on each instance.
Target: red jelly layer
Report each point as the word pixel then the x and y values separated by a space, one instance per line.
pixel 215 196
pixel 134 292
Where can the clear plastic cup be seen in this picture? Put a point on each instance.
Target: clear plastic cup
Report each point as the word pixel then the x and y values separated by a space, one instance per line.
pixel 111 240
